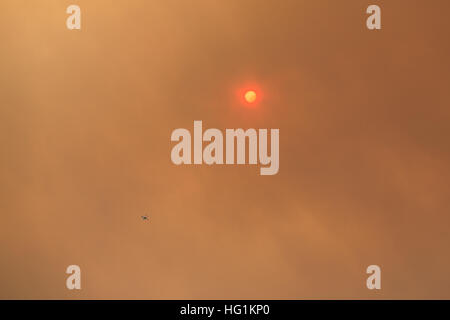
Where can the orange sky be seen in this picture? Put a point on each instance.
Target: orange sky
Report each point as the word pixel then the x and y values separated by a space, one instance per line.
pixel 85 124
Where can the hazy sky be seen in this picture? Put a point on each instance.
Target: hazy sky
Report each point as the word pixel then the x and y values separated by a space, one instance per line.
pixel 85 124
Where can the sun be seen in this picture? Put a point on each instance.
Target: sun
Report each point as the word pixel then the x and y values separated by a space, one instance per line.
pixel 250 96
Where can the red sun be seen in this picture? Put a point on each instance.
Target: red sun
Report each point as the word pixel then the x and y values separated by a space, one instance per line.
pixel 250 96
